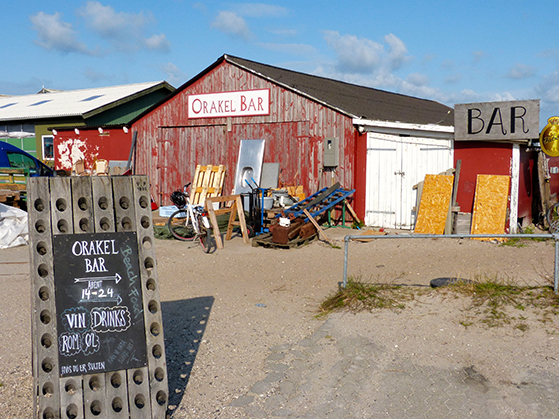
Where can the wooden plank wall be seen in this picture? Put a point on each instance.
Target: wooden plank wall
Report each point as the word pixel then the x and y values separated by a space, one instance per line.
pixel 170 145
pixel 77 205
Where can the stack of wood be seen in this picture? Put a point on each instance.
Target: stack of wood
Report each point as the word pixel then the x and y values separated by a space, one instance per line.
pixel 12 187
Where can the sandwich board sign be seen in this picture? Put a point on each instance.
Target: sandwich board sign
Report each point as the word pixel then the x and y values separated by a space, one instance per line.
pixel 97 332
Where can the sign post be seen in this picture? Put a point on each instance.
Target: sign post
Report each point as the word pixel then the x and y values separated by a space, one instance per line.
pixel 98 349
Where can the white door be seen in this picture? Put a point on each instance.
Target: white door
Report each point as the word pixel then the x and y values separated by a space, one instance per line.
pixel 394 165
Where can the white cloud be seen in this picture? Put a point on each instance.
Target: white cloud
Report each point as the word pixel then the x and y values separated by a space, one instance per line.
pixel 364 56
pixel 521 71
pixel 502 97
pixel 354 55
pixel 108 23
pixel 175 75
pixel 548 89
pixel 232 24
pixel 57 35
pixel 158 43
pixel 417 79
pixel 397 55
pixel 125 31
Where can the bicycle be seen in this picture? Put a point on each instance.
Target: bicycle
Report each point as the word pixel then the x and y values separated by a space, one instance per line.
pixel 190 222
pixel 552 217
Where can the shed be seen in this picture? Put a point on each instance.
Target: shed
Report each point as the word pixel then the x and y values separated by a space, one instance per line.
pixel 383 142
pixel 26 121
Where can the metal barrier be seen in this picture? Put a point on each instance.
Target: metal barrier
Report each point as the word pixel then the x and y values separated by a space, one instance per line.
pixel 555 237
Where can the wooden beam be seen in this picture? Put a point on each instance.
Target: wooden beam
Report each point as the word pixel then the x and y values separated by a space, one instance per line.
pixel 321 234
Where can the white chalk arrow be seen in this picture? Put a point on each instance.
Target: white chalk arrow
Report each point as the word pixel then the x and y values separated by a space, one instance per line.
pixel 117 300
pixel 115 278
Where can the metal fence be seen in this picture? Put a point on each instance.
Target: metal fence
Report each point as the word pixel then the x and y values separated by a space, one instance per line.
pixel 555 237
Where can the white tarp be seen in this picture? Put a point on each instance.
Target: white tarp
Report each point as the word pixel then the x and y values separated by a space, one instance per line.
pixel 13 227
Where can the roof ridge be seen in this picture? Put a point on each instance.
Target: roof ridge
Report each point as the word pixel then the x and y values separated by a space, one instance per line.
pixel 55 92
pixel 307 75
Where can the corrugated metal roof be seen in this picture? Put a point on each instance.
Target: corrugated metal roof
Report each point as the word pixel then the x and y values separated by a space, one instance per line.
pixel 70 103
pixel 356 101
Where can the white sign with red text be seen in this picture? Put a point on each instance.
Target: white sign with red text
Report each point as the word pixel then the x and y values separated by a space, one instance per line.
pixel 219 105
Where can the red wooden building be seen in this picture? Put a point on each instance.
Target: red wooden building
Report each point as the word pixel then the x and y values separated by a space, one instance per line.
pixel 204 121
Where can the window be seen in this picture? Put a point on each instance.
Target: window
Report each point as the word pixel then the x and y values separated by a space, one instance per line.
pixel 48 147
pixel 41 102
pixel 20 161
pixel 90 98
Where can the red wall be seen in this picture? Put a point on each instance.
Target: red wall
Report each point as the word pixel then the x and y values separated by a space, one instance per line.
pixel 527 183
pixel 360 183
pixel 90 145
pixel 553 177
pixel 170 145
pixel 479 158
pixel 494 159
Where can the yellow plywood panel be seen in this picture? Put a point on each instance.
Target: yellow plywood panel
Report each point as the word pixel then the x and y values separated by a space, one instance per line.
pixel 490 205
pixel 435 201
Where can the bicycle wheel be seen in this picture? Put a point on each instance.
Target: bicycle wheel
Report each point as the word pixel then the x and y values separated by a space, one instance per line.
pixel 206 240
pixel 180 226
pixel 553 218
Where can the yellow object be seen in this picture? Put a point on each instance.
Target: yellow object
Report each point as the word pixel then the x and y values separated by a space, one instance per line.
pixel 435 201
pixel 296 192
pixel 549 137
pixel 490 205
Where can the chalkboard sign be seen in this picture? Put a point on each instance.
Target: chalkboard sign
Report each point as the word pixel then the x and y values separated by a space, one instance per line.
pixel 98 303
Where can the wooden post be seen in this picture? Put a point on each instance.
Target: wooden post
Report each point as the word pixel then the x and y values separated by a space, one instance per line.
pixel 93 237
pixel 321 234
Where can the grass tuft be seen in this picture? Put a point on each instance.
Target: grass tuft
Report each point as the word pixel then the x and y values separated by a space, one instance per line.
pixel 358 296
pixel 492 300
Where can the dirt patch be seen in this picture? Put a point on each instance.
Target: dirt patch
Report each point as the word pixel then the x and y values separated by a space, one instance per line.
pixel 223 311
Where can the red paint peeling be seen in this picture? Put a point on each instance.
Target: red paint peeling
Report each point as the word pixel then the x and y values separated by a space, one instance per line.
pixel 170 145
pixel 90 144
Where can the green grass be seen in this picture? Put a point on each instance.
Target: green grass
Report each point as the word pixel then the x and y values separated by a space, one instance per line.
pixel 523 242
pixel 358 296
pixel 492 302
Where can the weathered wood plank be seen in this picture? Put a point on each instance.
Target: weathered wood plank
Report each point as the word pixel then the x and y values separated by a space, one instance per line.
pixel 157 366
pixel 71 393
pixel 46 393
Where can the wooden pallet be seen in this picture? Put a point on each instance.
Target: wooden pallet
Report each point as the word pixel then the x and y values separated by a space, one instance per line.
pixel 11 198
pixel 207 183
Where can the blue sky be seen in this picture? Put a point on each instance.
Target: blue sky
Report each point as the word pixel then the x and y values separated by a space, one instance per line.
pixel 449 51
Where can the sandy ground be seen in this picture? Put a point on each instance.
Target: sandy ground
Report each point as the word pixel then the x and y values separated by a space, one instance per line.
pixel 223 311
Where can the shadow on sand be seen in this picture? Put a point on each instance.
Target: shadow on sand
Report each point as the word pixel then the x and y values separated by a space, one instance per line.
pixel 184 323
